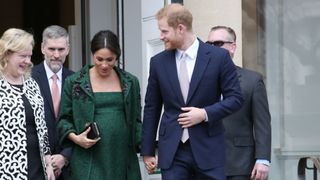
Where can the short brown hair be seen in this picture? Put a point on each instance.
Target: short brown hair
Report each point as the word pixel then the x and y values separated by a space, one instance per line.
pixel 176 14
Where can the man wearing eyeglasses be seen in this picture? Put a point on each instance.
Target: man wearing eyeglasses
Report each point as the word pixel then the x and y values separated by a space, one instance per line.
pixel 248 131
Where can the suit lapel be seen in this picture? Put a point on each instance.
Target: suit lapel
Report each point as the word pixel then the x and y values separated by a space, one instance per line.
pixel 64 75
pixel 171 71
pixel 44 85
pixel 199 68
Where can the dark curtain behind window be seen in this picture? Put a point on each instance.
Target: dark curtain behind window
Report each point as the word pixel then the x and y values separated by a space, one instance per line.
pixel 177 1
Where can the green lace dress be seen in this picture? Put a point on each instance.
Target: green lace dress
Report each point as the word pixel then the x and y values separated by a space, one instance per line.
pixel 109 154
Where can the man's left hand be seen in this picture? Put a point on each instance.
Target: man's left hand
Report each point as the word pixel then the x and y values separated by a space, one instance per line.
pixel 191 116
pixel 58 161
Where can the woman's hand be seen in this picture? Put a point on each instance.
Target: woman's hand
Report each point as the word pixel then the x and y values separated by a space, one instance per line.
pixel 82 139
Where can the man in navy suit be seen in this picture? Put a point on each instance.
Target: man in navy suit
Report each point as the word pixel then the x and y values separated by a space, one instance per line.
pixel 55 48
pixel 199 153
pixel 248 131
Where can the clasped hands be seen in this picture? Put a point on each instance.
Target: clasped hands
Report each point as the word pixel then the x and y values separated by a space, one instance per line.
pixel 151 163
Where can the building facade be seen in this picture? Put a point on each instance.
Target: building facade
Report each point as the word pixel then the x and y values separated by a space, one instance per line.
pixel 278 38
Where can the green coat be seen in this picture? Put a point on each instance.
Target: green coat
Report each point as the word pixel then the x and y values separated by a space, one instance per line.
pixel 77 108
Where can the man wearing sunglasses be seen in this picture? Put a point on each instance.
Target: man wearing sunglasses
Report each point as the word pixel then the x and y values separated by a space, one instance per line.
pixel 248 131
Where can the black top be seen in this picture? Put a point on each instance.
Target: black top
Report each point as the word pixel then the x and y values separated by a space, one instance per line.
pixel 35 169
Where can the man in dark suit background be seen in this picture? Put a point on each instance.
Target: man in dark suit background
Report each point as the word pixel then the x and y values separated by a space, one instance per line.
pixel 55 48
pixel 248 131
pixel 191 133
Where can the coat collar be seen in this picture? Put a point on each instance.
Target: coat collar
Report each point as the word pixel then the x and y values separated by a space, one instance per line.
pixel 82 82
pixel 170 67
pixel 126 83
pixel 44 83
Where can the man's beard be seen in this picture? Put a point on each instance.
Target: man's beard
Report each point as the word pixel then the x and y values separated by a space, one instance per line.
pixel 56 67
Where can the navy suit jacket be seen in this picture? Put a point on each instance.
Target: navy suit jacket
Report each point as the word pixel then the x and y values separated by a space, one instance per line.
pixel 40 75
pixel 214 74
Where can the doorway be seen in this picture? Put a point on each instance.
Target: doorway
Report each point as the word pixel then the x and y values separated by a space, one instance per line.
pixel 35 15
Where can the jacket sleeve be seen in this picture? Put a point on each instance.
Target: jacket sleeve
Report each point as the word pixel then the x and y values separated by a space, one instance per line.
pixel 137 108
pixel 65 124
pixel 262 119
pixel 42 129
pixel 231 91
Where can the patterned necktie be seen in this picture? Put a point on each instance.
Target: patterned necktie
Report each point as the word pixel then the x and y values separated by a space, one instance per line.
pixel 55 94
pixel 184 86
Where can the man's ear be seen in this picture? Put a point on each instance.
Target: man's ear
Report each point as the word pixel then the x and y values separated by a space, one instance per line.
pixel 68 49
pixel 181 28
pixel 232 48
pixel 42 46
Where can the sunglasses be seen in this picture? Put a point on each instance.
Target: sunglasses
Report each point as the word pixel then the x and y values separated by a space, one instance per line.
pixel 218 43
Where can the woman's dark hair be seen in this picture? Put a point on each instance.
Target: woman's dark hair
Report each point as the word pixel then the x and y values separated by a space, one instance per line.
pixel 105 39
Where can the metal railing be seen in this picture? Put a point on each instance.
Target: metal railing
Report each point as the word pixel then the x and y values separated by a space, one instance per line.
pixel 303 166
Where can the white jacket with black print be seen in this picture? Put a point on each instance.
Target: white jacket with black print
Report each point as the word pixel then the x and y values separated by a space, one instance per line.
pixel 13 138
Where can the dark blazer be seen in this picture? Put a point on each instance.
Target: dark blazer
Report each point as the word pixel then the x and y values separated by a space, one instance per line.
pixel 40 75
pixel 214 74
pixel 248 131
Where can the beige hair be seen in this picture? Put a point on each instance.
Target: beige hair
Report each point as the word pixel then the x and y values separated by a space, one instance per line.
pixel 14 40
pixel 176 14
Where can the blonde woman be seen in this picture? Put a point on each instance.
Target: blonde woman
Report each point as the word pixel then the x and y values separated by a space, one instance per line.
pixel 24 147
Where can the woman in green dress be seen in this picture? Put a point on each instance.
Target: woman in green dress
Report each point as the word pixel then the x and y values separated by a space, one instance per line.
pixel 110 97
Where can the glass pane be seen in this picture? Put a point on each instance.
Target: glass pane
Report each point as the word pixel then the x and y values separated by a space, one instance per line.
pixel 293 58
pixel 177 1
pixel 301 60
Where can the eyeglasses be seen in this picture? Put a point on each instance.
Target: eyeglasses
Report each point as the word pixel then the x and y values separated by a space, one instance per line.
pixel 218 43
